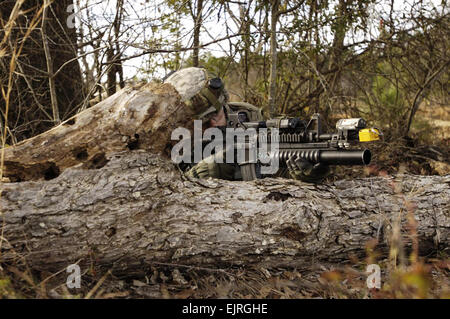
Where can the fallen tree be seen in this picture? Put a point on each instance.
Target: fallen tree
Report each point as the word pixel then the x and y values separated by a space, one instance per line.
pixel 138 209
pixel 99 190
pixel 140 116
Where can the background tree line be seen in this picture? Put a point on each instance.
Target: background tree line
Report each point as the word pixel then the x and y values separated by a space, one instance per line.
pixel 379 59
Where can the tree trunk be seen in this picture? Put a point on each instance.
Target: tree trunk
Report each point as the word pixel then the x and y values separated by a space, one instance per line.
pixel 114 53
pixel 135 117
pixel 48 59
pixel 197 26
pixel 113 199
pixel 35 91
pixel 273 58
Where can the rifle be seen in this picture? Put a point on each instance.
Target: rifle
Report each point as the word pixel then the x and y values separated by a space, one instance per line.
pixel 306 140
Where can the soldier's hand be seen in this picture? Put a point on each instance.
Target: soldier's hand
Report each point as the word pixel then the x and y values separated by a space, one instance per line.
pixel 295 163
pixel 302 169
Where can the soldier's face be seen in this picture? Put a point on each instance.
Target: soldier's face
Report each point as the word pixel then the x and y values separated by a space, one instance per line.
pixel 218 119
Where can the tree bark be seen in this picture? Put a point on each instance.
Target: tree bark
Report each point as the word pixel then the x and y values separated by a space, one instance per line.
pixel 273 58
pixel 142 116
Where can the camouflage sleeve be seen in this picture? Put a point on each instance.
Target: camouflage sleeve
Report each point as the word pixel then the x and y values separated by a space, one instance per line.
pixel 314 175
pixel 305 171
pixel 208 168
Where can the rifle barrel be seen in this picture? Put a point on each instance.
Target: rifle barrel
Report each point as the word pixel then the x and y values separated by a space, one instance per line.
pixel 346 157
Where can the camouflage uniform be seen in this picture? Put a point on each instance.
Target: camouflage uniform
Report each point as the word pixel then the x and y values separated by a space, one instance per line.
pixel 215 93
pixel 309 173
pixel 297 168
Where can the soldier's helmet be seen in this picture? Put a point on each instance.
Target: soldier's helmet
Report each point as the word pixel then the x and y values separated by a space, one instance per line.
pixel 203 91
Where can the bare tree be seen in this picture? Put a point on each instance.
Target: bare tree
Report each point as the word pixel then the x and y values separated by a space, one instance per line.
pixel 197 16
pixel 47 84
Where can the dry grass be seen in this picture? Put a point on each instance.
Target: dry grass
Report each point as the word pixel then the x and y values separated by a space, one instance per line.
pixel 417 280
pixel 438 117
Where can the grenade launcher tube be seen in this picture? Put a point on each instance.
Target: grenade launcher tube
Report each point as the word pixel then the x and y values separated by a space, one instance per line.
pixel 330 157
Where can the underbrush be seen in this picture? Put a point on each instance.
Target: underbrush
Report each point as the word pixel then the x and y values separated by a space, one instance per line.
pixel 428 278
pixel 400 156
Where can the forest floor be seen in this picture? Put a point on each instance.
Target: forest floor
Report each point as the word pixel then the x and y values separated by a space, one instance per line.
pixel 439 117
pixel 428 277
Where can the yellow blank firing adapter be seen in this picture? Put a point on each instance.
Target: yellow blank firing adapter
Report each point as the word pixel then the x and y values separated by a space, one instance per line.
pixel 369 134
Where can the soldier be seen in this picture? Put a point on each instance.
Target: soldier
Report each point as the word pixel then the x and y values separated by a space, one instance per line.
pixel 216 97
